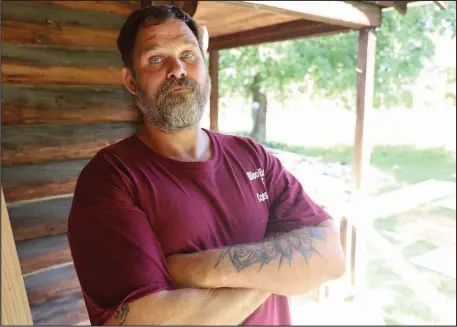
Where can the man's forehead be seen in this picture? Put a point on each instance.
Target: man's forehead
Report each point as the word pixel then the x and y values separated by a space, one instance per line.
pixel 171 30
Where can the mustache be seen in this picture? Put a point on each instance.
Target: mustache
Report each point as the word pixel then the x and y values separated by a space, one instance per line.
pixel 171 83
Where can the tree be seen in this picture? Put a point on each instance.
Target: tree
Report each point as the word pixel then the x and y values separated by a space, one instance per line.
pixel 403 44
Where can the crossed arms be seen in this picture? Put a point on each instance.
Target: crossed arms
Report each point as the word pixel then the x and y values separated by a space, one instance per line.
pixel 225 285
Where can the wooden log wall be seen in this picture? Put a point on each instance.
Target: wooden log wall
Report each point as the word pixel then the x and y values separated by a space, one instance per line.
pixel 63 99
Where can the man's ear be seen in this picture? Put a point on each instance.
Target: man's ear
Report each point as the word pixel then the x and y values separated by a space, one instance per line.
pixel 129 81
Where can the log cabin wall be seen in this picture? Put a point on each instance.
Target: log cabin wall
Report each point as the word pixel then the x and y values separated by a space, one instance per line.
pixel 63 99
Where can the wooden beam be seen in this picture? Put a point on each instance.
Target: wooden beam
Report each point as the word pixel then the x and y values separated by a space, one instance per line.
pixel 15 306
pixel 365 89
pixel 51 283
pixel 349 14
pixel 62 311
pixel 30 144
pixel 27 182
pixel 214 99
pixel 123 8
pixel 441 4
pixel 401 6
pixel 279 32
pixel 20 32
pixel 23 73
pixel 384 4
pixel 56 16
pixel 54 104
pixel 362 149
pixel 43 253
pixel 42 218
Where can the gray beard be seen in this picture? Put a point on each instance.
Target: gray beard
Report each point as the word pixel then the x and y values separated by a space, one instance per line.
pixel 171 112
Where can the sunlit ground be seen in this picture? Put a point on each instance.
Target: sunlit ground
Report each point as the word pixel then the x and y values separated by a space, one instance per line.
pixel 411 276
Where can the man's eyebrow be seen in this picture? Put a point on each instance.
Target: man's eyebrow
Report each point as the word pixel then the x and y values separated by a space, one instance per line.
pixel 153 47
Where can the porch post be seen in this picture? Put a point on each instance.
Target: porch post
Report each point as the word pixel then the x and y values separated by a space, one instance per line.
pixel 214 99
pixel 15 305
pixel 365 89
pixel 362 150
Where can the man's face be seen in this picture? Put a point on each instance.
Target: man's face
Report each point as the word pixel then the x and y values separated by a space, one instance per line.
pixel 172 85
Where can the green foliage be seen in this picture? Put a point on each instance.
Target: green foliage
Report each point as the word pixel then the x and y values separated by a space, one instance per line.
pixel 403 45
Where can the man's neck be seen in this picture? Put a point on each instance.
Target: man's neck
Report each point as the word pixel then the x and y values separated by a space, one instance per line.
pixel 190 144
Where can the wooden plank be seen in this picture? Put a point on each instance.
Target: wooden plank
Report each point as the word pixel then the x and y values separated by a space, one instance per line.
pixel 43 180
pixel 365 90
pixel 65 311
pixel 214 98
pixel 43 253
pixel 274 33
pixel 22 104
pixel 123 8
pixel 213 14
pixel 19 32
pixel 40 218
pixel 60 15
pixel 30 144
pixel 53 56
pixel 50 284
pixel 15 307
pixel 441 4
pixel 25 73
pixel 384 4
pixel 350 14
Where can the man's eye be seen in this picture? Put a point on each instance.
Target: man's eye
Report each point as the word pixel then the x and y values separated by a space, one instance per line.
pixel 155 60
pixel 188 55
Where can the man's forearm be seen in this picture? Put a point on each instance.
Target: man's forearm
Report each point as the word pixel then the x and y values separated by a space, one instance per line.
pixel 191 307
pixel 288 264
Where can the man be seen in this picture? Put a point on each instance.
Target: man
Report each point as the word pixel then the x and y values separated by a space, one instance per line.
pixel 181 225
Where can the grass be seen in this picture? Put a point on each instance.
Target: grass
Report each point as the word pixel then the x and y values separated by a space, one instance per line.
pixel 417 248
pixel 408 164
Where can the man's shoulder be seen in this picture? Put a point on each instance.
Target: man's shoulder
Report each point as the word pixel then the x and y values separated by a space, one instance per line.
pixel 239 143
pixel 108 158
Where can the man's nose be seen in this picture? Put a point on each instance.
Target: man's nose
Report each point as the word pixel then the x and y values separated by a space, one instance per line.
pixel 176 69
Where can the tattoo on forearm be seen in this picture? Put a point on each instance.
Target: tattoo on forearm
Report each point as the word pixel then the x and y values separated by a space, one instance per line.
pixel 282 247
pixel 122 312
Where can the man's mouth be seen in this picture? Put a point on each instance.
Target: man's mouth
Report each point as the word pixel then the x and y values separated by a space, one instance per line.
pixel 179 89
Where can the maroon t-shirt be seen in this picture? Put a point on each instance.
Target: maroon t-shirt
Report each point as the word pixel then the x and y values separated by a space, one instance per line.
pixel 133 207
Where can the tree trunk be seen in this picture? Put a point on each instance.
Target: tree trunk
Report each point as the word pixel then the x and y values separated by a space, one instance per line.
pixel 259 112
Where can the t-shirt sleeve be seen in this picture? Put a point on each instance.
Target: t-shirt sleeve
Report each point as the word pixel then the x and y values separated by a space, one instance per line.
pixel 117 256
pixel 290 206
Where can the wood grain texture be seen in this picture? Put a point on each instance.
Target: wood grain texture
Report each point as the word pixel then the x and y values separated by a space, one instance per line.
pixel 43 253
pixel 69 310
pixel 30 144
pixel 25 73
pixel 222 18
pixel 22 104
pixel 19 32
pixel 52 14
pixel 38 219
pixel 353 14
pixel 15 309
pixel 274 33
pixel 123 8
pixel 54 56
pixel 366 58
pixel 42 180
pixel 50 284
